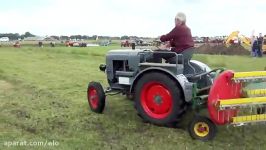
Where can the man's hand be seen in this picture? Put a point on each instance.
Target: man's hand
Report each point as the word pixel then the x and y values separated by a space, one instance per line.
pixel 168 44
pixel 165 46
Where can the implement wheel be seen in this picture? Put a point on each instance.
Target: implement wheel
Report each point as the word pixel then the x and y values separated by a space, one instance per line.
pixel 96 97
pixel 202 128
pixel 158 99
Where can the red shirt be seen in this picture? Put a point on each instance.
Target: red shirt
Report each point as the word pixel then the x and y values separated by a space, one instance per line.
pixel 180 38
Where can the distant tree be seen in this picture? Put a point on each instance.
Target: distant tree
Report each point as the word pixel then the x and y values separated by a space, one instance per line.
pixel 78 37
pixel 94 37
pixel 115 38
pixel 104 37
pixel 11 36
pixel 16 36
pixel 28 34
pixel 55 37
pixel 134 37
pixel 73 37
pixel 125 37
pixel 91 38
pixel 22 36
pixel 85 37
pixel 63 37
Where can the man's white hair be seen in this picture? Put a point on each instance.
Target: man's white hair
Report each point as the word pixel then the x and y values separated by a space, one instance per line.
pixel 181 16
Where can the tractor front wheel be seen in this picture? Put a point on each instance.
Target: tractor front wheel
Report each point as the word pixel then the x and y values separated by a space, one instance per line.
pixel 158 99
pixel 96 97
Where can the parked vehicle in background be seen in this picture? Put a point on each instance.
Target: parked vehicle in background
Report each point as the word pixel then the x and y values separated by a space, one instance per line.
pixel 125 43
pixel 105 43
pixel 235 38
pixel 4 39
pixel 198 40
pixel 17 44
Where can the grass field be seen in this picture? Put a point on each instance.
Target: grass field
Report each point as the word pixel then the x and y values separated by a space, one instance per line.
pixel 43 98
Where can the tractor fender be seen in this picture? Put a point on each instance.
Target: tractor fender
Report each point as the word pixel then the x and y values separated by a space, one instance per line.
pixel 180 79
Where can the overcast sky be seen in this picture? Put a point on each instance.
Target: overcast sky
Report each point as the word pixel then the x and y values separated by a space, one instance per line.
pixel 149 18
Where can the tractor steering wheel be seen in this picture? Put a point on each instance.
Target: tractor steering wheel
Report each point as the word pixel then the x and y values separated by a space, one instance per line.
pixel 164 46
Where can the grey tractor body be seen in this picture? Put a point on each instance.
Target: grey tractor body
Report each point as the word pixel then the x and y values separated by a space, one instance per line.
pixel 124 68
pixel 162 85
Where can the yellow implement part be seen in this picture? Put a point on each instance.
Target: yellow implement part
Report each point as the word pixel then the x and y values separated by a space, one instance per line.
pixel 256 92
pixel 238 75
pixel 247 119
pixel 241 101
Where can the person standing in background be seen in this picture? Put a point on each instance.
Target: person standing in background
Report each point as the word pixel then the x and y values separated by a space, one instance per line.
pixel 255 48
pixel 252 39
pixel 260 42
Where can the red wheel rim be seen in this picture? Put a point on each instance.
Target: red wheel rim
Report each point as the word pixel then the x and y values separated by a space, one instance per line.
pixel 156 100
pixel 93 98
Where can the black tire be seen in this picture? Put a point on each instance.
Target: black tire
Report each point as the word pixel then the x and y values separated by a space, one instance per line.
pixel 96 97
pixel 176 107
pixel 208 131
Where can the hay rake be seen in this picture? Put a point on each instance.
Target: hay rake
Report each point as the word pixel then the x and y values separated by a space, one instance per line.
pixel 235 98
pixel 244 99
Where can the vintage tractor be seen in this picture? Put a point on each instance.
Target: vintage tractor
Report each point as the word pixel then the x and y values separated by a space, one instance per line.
pixel 163 92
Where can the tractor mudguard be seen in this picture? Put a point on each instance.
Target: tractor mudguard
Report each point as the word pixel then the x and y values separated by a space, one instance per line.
pixel 180 79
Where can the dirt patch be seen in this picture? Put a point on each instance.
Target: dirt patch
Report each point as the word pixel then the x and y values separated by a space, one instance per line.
pixel 222 50
pixel 58 104
pixel 28 128
pixel 20 113
pixel 5 85
pixel 31 129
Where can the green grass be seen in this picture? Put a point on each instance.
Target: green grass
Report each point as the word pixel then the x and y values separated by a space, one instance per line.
pixel 43 98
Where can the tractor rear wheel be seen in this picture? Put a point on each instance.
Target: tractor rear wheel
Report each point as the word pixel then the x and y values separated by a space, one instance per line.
pixel 158 99
pixel 96 97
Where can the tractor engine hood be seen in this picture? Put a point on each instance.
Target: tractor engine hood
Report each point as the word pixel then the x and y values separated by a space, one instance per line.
pixel 126 52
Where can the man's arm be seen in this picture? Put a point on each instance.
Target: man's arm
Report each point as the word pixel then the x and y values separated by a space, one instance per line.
pixel 169 36
pixel 172 43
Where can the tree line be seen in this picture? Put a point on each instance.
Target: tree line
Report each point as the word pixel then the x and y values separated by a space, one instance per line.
pixel 17 36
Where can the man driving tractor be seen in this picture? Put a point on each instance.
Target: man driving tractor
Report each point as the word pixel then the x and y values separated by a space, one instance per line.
pixel 179 40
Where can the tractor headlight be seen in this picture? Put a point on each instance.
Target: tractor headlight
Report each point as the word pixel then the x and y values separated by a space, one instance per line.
pixel 102 67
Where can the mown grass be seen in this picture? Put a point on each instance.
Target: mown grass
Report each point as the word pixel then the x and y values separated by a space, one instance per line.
pixel 43 97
